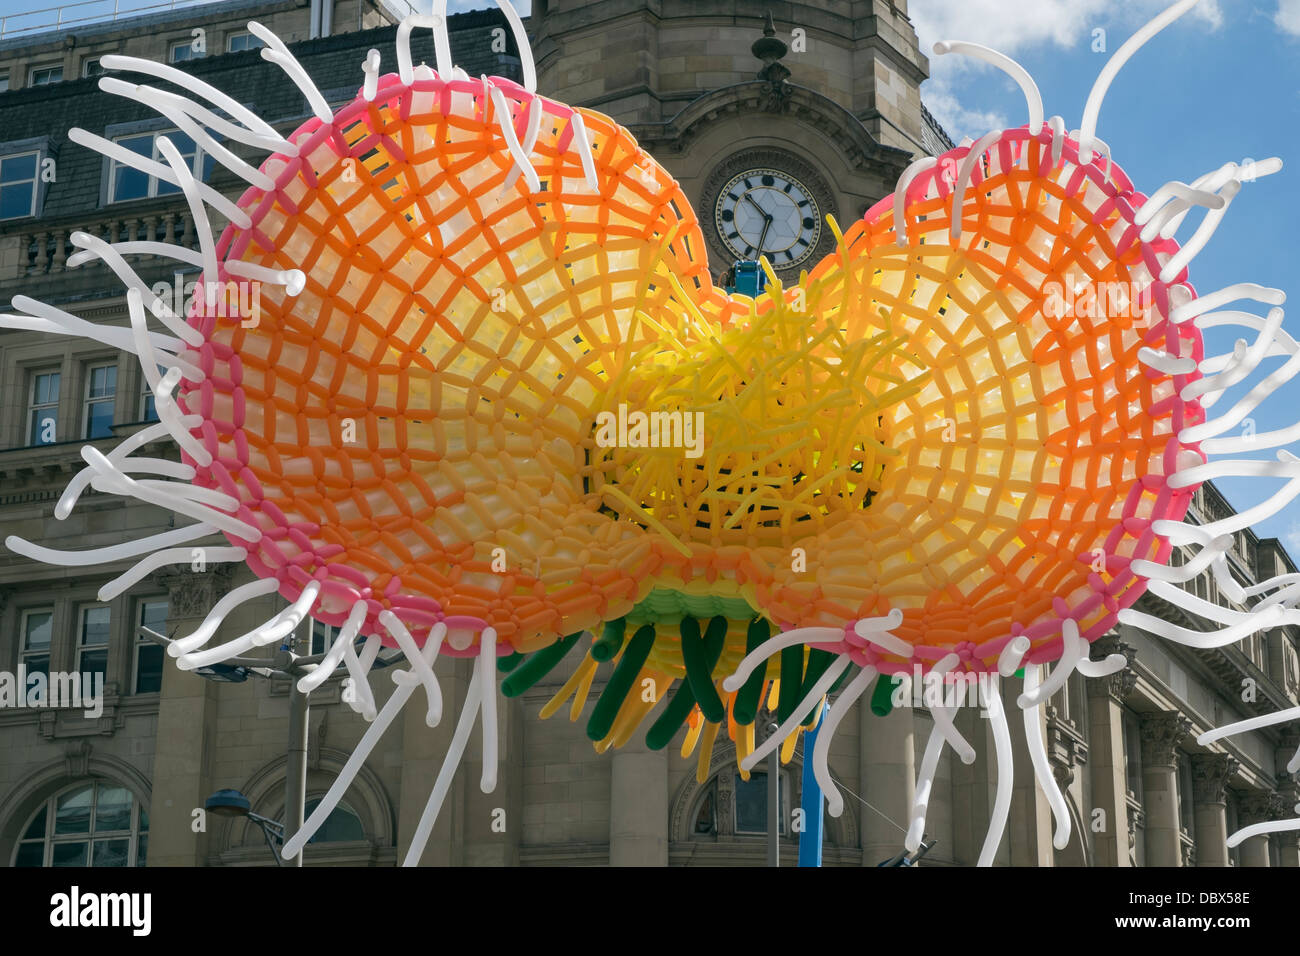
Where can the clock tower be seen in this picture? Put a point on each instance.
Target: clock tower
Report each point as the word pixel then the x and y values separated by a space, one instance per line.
pixel 772 115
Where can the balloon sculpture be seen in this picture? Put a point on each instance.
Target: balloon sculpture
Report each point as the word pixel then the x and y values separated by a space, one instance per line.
pixel 491 402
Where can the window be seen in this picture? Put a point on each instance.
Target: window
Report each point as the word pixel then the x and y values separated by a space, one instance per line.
pixel 322 636
pixel 238 42
pixel 95 824
pixel 751 803
pixel 37 631
pixel 45 75
pixel 92 644
pixel 18 179
pixel 90 67
pixel 43 405
pixel 340 826
pixel 127 182
pixel 101 393
pixel 148 410
pixel 4 81
pixel 184 50
pixel 148 655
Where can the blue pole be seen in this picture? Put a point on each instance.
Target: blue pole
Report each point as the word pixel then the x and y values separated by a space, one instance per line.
pixel 810 840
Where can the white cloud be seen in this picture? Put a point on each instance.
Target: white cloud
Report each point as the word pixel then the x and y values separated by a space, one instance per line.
pixel 1015 28
pixel 1287 18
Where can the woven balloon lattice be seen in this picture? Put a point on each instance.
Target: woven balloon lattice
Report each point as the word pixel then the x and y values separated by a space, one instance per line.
pixel 910 418
pixel 459 382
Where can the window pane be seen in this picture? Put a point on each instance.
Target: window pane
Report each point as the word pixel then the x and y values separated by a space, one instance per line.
pixel 148 669
pixel 181 141
pixel 113 809
pixel 94 661
pixel 322 636
pixel 73 812
pixel 38 626
pixel 150 409
pixel 110 852
pixel 141 143
pixel 16 168
pixel 4 82
pixel 46 75
pixel 94 626
pixel 142 850
pixel 129 183
pixel 36 831
pixel 36 664
pixel 751 804
pixel 341 825
pixel 103 381
pixel 30 854
pixel 44 426
pixel 99 419
pixel 69 854
pixel 153 615
pixel 46 388
pixel 244 41
pixel 16 200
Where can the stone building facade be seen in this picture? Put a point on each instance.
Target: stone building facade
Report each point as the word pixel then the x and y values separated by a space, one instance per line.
pixel 827 97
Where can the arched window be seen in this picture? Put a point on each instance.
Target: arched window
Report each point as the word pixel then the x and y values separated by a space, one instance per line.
pixel 343 824
pixel 743 810
pixel 88 824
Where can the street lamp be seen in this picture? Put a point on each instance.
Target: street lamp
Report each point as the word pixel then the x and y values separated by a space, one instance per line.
pixel 233 804
pixel 286 665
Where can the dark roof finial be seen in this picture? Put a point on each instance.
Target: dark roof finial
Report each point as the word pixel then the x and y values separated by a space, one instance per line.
pixel 769 48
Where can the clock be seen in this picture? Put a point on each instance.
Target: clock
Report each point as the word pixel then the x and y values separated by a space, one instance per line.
pixel 767 212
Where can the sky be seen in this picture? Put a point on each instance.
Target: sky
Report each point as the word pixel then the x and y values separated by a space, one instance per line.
pixel 1222 84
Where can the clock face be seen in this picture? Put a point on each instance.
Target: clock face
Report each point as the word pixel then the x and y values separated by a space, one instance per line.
pixel 770 213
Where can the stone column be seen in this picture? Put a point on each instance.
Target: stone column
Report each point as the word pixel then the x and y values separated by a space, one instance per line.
pixel 887 778
pixel 1257 808
pixel 1161 734
pixel 1210 773
pixel 638 805
pixel 1112 846
pixel 1288 842
pixel 187 723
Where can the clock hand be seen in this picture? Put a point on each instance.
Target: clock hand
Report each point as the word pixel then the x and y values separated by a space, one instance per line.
pixel 761 211
pixel 763 235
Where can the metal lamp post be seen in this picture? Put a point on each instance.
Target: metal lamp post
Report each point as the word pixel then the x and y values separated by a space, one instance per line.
pixel 288 664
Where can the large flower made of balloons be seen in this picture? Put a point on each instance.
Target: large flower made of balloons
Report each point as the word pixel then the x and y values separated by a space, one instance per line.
pixel 485 400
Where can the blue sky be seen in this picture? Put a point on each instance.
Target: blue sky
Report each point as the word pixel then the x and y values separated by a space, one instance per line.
pixel 1221 84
